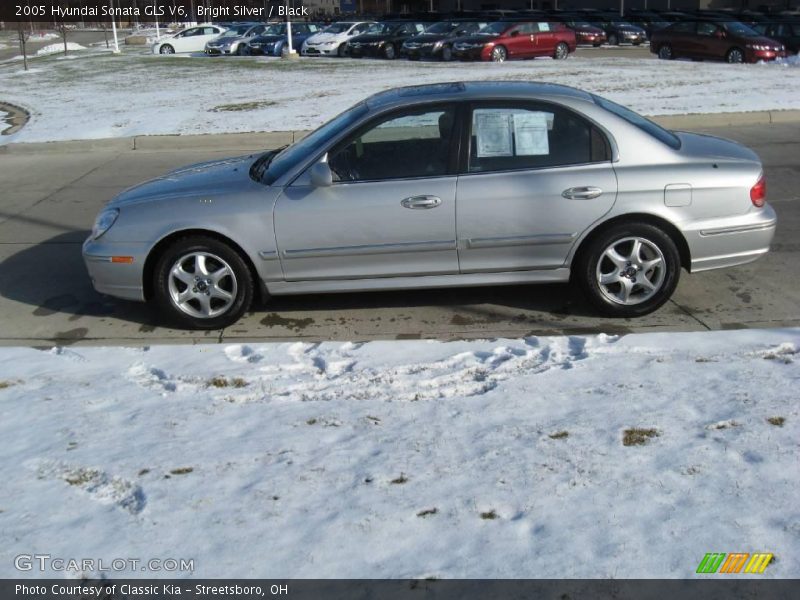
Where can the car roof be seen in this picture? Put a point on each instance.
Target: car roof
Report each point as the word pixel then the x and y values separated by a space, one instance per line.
pixel 473 90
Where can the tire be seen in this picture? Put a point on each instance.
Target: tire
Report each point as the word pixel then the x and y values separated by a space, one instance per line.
pixel 665 52
pixel 447 53
pixel 166 49
pixel 389 52
pixel 613 40
pixel 341 50
pixel 561 52
pixel 499 54
pixel 615 286
pixel 735 56
pixel 241 50
pixel 199 311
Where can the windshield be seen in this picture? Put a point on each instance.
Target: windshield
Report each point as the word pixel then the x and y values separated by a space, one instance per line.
pixel 277 29
pixel 646 125
pixel 236 31
pixel 443 27
pixel 495 28
pixel 299 151
pixel 338 28
pixel 378 28
pixel 736 28
pixel 581 24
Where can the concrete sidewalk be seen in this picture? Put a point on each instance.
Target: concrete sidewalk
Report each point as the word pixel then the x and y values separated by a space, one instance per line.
pixel 271 139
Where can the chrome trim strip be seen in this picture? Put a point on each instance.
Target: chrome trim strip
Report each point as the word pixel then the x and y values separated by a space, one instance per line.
pixel 522 240
pixel 268 254
pixel 739 228
pixel 370 249
pixel 96 258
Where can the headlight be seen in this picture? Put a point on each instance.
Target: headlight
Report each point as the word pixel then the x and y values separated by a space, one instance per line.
pixel 104 221
pixel 757 47
pixel 438 45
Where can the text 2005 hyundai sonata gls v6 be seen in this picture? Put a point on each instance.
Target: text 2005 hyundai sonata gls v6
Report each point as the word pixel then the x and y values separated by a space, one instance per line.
pixel 442 185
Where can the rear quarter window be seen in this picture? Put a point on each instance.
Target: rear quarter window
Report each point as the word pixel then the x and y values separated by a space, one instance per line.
pixel 662 135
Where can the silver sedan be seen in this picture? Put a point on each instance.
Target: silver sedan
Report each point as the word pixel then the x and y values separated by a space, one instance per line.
pixel 435 186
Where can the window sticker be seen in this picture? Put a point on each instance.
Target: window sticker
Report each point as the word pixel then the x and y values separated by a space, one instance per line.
pixel 530 134
pixel 544 26
pixel 493 132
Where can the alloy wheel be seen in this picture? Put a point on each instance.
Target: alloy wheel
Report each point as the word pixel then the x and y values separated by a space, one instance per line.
pixel 665 52
pixel 735 56
pixel 562 51
pixel 166 49
pixel 499 54
pixel 631 270
pixel 202 285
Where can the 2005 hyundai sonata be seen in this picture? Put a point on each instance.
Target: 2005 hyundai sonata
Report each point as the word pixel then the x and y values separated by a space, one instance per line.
pixel 441 185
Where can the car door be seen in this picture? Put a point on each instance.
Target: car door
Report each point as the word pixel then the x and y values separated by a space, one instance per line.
pixel 545 39
pixel 390 210
pixel 709 43
pixel 183 42
pixel 536 175
pixel 519 41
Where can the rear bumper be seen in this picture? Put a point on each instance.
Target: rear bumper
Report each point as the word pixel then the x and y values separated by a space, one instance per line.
pixel 119 279
pixel 733 241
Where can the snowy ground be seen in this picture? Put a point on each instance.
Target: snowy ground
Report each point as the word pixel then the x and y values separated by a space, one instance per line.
pixel 102 96
pixel 502 458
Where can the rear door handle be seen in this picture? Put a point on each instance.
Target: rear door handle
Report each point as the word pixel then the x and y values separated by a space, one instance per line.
pixel 421 202
pixel 582 193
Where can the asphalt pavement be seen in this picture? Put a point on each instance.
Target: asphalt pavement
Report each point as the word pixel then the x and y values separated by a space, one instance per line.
pixel 48 201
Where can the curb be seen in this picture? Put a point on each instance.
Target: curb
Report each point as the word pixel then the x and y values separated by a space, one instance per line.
pixel 272 139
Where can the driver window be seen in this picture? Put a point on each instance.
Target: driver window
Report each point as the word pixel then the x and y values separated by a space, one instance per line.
pixel 706 29
pixel 412 144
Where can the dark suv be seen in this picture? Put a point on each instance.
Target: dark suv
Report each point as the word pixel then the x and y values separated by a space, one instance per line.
pixel 730 41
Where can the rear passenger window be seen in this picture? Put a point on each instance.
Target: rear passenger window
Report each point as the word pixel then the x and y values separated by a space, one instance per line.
pixel 532 137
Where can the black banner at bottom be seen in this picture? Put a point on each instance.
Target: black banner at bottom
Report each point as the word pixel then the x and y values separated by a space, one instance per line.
pixel 382 589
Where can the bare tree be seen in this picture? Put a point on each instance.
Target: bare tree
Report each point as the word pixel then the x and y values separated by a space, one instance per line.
pixel 23 39
pixel 62 30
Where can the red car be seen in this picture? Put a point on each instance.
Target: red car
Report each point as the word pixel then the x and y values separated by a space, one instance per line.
pixel 504 40
pixel 730 41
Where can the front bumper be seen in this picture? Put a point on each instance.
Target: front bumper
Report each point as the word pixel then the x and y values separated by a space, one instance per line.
pixel 469 53
pixel 732 241
pixel 319 50
pixel 360 51
pixel 757 55
pixel 216 51
pixel 590 39
pixel 428 51
pixel 632 38
pixel 119 279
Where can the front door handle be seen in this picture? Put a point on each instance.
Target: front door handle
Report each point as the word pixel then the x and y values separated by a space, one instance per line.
pixel 582 193
pixel 421 202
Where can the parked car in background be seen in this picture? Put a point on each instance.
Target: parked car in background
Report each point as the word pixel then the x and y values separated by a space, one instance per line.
pixel 785 32
pixel 443 185
pixel 436 41
pixel 586 33
pixel 503 40
pixel 274 40
pixel 192 39
pixel 234 40
pixel 731 41
pixel 384 39
pixel 332 40
pixel 621 32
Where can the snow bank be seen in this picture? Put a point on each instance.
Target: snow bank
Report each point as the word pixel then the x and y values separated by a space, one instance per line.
pixel 542 457
pixel 56 48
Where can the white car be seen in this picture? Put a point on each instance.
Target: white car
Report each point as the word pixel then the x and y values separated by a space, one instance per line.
pixel 332 41
pixel 189 40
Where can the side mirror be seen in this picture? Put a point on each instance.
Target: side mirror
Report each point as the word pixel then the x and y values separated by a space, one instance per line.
pixel 321 175
pixel 515 33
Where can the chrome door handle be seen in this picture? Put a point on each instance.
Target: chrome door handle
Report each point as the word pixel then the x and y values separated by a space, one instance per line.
pixel 582 193
pixel 421 202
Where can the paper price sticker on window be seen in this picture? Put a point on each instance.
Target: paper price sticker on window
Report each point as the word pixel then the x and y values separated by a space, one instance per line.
pixel 493 131
pixel 530 134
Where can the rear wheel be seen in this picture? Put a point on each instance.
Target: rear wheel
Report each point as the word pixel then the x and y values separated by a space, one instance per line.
pixel 562 51
pixel 499 54
pixel 735 56
pixel 665 52
pixel 202 283
pixel 629 270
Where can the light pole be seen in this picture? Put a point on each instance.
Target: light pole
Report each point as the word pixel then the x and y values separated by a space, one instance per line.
pixel 114 28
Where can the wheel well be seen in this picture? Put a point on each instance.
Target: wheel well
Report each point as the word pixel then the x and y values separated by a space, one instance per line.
pixel 675 235
pixel 158 249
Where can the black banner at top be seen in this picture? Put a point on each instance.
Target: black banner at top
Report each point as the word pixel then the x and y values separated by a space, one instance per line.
pixel 148 11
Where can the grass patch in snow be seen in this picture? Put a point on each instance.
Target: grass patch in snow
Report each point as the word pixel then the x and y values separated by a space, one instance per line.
pixel 182 471
pixel 399 480
pixel 224 382
pixel 559 435
pixel 637 436
pixel 6 384
pixel 81 477
pixel 428 512
pixel 489 515
pixel 255 105
pixel 777 421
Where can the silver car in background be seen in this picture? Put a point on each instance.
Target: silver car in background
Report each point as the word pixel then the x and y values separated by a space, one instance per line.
pixel 462 184
pixel 234 40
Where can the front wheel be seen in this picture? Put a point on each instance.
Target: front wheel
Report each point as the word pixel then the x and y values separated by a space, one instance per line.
pixel 447 54
pixel 166 49
pixel 562 51
pixel 499 54
pixel 202 283
pixel 629 270
pixel 735 56
pixel 613 40
pixel 341 51
pixel 665 52
pixel 389 52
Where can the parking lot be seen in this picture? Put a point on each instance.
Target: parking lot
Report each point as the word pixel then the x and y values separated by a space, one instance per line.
pixel 50 199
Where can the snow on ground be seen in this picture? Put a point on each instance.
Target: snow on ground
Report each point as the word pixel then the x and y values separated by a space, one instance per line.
pixel 59 48
pixel 102 95
pixel 502 458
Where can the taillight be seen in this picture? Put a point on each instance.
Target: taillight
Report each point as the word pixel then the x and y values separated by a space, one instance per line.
pixel 758 193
